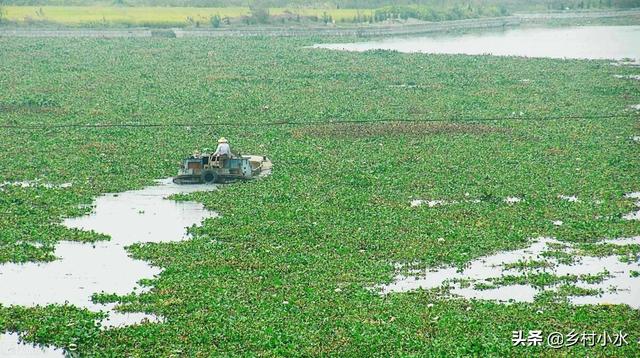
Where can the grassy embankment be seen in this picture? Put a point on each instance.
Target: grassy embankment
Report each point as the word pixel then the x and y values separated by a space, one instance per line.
pixel 335 214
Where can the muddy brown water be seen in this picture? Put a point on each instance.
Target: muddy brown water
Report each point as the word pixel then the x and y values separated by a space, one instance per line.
pixel 584 42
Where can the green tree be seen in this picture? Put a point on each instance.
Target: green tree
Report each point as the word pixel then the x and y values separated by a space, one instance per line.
pixel 626 3
pixel 326 18
pixel 215 21
pixel 259 12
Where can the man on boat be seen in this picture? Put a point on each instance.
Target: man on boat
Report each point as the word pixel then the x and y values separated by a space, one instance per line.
pixel 224 149
pixel 222 153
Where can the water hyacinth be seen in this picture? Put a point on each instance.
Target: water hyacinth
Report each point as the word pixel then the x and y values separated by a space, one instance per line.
pixel 286 269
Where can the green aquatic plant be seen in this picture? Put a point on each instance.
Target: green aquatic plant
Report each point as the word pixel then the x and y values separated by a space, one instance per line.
pixel 289 267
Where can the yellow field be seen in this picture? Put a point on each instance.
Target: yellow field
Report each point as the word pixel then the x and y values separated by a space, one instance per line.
pixel 79 15
pixel 336 14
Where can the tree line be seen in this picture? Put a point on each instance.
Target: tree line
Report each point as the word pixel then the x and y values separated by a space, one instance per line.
pixel 514 5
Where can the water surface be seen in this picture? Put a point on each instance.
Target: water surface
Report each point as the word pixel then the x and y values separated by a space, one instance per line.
pixel 619 285
pixel 12 347
pixel 82 269
pixel 585 42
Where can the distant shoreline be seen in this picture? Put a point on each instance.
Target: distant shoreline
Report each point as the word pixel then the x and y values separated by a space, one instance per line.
pixel 380 29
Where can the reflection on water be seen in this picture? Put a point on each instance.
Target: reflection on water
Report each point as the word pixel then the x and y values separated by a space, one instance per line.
pixel 586 42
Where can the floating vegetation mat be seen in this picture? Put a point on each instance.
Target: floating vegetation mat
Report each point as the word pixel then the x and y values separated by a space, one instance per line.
pixel 518 276
pixel 82 270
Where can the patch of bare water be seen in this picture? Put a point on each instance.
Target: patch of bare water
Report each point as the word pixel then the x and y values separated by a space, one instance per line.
pixel 438 202
pixel 512 200
pixel 628 77
pixel 12 347
pixel 477 271
pixel 570 198
pixel 34 184
pixel 429 203
pixel 477 279
pixel 122 319
pixel 635 215
pixel 582 42
pixel 635 63
pixel 84 269
pixel 619 283
pixel 623 241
